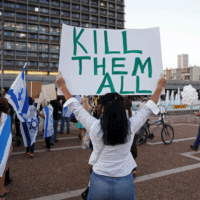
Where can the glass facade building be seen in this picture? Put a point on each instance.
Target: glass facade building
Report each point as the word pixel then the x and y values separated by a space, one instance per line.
pixel 30 29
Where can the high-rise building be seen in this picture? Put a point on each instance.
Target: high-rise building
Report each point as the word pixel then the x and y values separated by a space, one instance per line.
pixel 182 61
pixel 30 29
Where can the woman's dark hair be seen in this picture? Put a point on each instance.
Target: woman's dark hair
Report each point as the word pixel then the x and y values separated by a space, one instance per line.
pixel 114 122
pixel 128 106
pixel 4 105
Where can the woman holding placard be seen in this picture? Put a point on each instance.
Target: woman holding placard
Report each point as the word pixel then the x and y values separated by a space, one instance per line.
pixel 112 136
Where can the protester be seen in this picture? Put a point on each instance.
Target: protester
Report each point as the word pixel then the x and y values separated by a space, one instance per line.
pixel 47 114
pixel 5 144
pixel 112 137
pixel 88 108
pixel 29 129
pixel 196 144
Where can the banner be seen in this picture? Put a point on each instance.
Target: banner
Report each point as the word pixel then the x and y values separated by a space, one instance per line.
pixel 98 61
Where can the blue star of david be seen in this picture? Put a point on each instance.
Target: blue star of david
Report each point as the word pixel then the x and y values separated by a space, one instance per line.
pixel 33 124
pixel 51 119
pixel 20 95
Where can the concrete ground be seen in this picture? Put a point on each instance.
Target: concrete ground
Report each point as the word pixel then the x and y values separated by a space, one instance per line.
pixel 164 172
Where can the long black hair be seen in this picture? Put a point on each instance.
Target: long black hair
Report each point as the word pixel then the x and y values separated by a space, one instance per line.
pixel 114 122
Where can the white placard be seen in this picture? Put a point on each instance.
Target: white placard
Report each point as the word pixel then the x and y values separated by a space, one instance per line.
pixel 98 61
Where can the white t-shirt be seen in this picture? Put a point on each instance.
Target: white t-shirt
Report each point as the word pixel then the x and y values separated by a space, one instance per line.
pixel 114 161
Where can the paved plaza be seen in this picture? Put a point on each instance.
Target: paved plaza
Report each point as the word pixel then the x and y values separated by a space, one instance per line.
pixel 164 172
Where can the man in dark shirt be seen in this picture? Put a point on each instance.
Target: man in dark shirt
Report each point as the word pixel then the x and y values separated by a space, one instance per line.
pixel 55 105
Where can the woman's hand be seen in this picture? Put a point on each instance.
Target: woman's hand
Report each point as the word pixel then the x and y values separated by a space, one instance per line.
pixel 60 80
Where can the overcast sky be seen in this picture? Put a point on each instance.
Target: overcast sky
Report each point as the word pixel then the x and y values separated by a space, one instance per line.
pixel 179 22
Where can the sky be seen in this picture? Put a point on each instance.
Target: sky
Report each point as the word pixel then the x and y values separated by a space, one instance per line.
pixel 179 23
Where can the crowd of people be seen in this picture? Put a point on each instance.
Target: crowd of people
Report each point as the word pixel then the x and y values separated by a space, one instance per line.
pixel 107 127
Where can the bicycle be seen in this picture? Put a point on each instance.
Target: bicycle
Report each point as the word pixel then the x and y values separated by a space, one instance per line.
pixel 167 132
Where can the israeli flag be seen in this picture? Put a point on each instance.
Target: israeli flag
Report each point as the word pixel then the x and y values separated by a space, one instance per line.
pixel 29 128
pixel 18 96
pixel 5 141
pixel 48 124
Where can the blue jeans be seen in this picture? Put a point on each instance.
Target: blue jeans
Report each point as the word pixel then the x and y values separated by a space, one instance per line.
pixel 197 141
pixel 115 188
pixel 62 125
pixel 54 136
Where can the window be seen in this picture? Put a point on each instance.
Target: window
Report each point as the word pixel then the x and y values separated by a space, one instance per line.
pixel 104 27
pixel 43 55
pixel 111 21
pixel 84 1
pixel 94 2
pixel 9 45
pixel 32 36
pixel 33 8
pixel 75 23
pixel 94 26
pixel 119 7
pixel 55 31
pixel 9 53
pixel 65 21
pixel 85 17
pixel 21 16
pixel 85 24
pixel 21 53
pixel 103 4
pixel 94 10
pixel 32 54
pixel 32 28
pixel 111 5
pixel 44 1
pixel 32 17
pixel 44 10
pixel 21 6
pixel 43 29
pixel 55 3
pixel 43 64
pixel 20 46
pixel 19 63
pixel 10 5
pixel 44 19
pixel 102 19
pixel 93 18
pixel 32 64
pixel 111 14
pixel 54 48
pixel 54 65
pixel 33 1
pixel 75 7
pixel 56 56
pixel 103 12
pixel 75 15
pixel 119 22
pixel 9 14
pixel 43 37
pixel 32 47
pixel 8 33
pixel 55 12
pixel 54 38
pixel 119 1
pixel 9 26
pixel 8 62
pixel 44 47
pixel 119 15
pixel 65 5
pixel 56 21
pixel 64 13
pixel 21 35
pixel 21 27
pixel 85 8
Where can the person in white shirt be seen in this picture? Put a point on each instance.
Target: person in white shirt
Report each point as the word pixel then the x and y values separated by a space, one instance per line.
pixel 112 136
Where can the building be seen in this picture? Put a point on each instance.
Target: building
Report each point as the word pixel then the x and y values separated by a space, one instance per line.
pixel 186 74
pixel 182 61
pixel 30 31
